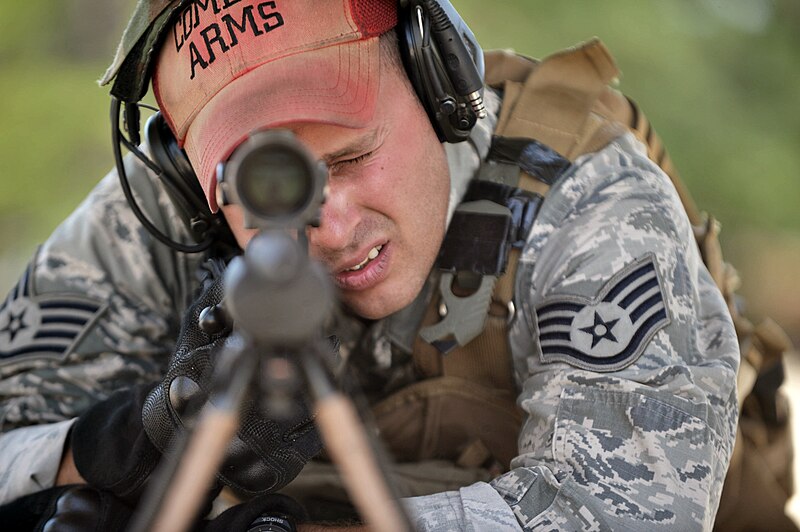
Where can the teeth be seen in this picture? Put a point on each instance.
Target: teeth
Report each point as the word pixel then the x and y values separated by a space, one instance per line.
pixel 373 253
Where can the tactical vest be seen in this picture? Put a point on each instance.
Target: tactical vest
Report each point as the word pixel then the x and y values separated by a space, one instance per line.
pixel 464 407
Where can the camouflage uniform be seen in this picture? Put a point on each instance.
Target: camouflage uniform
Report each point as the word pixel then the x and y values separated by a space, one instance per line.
pixel 623 349
pixel 642 446
pixel 96 310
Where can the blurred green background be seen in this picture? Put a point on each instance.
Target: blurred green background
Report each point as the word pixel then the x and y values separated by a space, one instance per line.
pixel 718 79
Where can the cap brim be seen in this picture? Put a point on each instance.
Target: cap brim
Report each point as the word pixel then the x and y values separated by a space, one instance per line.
pixel 335 85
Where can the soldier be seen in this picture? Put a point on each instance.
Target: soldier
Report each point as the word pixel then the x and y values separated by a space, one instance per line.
pixel 596 389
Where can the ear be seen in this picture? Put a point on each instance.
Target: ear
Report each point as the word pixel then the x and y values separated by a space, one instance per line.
pixel 178 176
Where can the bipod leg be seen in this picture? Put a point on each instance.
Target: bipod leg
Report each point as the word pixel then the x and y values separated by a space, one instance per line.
pixel 180 497
pixel 348 445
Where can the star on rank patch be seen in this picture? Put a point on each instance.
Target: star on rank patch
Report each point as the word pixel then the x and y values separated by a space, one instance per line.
pixel 610 331
pixel 43 326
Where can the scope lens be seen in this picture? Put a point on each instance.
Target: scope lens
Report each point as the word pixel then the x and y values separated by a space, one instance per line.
pixel 275 182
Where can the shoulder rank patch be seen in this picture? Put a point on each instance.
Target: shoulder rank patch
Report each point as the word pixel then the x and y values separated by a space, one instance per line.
pixel 610 331
pixel 46 326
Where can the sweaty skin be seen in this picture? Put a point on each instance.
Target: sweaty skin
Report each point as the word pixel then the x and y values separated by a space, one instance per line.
pixel 388 190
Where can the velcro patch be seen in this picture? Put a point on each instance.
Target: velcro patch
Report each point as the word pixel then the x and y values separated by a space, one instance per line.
pixel 47 326
pixel 610 331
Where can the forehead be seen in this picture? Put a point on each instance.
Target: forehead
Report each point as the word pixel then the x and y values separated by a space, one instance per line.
pixel 331 143
pixel 396 108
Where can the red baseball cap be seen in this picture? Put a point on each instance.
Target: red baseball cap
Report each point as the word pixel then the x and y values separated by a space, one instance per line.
pixel 228 68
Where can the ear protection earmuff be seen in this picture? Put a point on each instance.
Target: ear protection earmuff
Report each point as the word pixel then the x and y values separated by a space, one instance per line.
pixel 442 59
pixel 445 65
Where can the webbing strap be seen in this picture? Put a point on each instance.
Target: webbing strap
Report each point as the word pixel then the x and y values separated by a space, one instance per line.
pixel 641 127
pixel 549 102
pixel 471 361
pixel 556 102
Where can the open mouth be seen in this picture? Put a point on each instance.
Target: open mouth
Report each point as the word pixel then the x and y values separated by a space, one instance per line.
pixel 372 255
pixel 372 270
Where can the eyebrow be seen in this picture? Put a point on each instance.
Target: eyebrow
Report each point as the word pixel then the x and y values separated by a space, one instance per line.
pixel 359 145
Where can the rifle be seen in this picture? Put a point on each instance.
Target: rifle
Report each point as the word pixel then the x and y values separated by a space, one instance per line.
pixel 279 299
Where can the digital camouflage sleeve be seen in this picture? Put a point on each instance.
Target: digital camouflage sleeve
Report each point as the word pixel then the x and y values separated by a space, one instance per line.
pixel 627 359
pixel 95 311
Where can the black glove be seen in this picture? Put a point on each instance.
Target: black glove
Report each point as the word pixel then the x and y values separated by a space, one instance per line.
pixel 82 508
pixel 73 508
pixel 267 452
pixel 110 447
pixel 118 442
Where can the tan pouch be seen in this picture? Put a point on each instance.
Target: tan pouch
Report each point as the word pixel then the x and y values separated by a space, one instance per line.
pixel 450 418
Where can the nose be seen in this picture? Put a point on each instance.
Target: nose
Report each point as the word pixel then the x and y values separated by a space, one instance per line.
pixel 338 221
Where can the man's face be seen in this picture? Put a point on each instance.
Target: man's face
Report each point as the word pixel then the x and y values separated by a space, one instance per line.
pixel 385 214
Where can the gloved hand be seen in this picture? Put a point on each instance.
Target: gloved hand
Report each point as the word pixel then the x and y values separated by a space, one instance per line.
pixel 65 508
pixel 82 508
pixel 267 452
pixel 117 443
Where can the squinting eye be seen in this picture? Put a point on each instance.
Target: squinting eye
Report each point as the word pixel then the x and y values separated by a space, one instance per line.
pixel 347 163
pixel 356 160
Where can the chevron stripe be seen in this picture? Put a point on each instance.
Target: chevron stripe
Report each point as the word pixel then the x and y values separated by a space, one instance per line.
pixel 50 325
pixel 629 309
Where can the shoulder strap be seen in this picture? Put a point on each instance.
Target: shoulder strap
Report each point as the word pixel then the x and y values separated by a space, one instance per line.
pixel 551 102
pixel 554 103
pixel 566 102
pixel 521 106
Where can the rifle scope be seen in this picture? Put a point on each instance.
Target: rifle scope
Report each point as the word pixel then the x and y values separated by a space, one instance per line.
pixel 275 179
